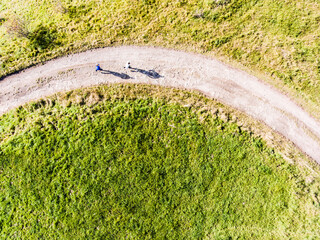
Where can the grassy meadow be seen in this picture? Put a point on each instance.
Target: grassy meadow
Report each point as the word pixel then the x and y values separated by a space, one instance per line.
pixel 145 162
pixel 276 40
pixel 113 162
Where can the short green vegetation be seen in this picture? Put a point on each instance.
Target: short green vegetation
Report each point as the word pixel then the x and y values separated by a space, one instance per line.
pixel 98 164
pixel 278 39
pixel 104 164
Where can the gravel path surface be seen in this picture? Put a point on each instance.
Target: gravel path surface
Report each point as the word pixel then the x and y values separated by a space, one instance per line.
pixel 168 68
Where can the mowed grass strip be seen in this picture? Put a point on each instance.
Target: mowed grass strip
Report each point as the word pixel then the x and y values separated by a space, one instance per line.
pixel 276 40
pixel 88 165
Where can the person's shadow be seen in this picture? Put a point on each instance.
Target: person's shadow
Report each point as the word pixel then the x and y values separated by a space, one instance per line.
pixel 149 73
pixel 120 75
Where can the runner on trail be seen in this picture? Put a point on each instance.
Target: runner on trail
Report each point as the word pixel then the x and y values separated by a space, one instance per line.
pixel 127 65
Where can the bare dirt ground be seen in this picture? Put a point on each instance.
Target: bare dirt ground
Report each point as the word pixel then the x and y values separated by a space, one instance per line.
pixel 167 68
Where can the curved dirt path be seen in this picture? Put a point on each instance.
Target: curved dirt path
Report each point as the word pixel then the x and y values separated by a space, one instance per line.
pixel 169 68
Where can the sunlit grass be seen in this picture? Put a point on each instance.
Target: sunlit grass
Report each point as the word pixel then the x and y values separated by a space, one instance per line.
pixel 114 163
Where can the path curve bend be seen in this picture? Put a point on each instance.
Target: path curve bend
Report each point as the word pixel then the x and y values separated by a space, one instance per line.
pixel 168 68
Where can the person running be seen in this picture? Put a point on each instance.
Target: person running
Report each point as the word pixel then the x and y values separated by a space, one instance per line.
pixel 127 65
pixel 98 68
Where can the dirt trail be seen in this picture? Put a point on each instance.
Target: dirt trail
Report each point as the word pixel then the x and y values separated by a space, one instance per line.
pixel 168 68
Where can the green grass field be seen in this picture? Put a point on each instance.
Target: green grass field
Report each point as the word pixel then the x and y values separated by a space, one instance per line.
pixel 276 40
pixel 115 163
pixel 144 162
